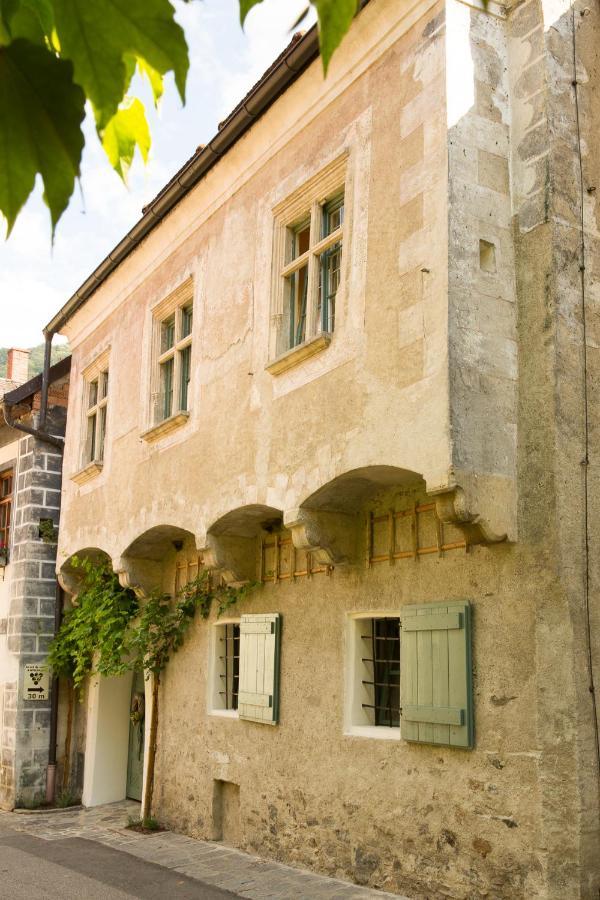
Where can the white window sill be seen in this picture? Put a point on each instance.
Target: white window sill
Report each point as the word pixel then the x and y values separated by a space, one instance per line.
pixel 298 354
pixel 378 732
pixel 224 713
pixel 165 427
pixel 88 472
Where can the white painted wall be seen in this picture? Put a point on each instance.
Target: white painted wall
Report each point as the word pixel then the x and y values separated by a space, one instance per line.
pixel 107 740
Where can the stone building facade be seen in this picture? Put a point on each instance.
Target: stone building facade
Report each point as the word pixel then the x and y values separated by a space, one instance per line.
pixel 350 353
pixel 29 587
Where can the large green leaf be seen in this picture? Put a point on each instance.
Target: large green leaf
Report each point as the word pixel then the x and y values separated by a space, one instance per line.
pixel 30 19
pixel 335 18
pixel 245 7
pixel 97 34
pixel 41 111
pixel 154 78
pixel 127 130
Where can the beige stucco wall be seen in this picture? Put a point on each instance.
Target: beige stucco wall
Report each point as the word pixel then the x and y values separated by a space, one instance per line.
pixel 423 821
pixel 283 437
pixel 445 371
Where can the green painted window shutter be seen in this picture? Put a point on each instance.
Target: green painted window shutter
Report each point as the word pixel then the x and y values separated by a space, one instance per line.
pixel 260 641
pixel 436 693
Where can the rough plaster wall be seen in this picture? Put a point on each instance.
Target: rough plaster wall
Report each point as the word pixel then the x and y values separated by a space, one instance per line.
pixel 482 344
pixel 385 375
pixel 423 821
pixel 547 206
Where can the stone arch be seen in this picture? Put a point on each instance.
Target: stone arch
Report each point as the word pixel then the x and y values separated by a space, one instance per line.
pixel 141 565
pixel 70 576
pixel 231 545
pixel 326 521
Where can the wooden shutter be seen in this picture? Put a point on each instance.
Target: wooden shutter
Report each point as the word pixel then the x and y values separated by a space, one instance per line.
pixel 260 638
pixel 436 694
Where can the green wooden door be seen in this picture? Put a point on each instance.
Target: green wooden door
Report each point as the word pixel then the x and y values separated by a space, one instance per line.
pixel 135 762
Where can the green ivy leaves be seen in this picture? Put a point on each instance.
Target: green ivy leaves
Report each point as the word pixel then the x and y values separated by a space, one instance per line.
pixel 108 632
pixel 93 635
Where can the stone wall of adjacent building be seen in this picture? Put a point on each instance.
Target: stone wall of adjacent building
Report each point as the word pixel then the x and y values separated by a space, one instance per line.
pixel 30 624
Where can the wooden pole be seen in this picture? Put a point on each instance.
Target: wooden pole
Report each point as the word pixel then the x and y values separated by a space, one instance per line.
pixel 149 786
pixel 68 737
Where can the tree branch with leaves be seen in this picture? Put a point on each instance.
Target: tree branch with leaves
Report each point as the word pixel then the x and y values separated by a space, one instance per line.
pixel 56 55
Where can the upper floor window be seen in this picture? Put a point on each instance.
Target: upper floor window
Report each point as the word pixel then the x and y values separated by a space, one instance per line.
pixel 6 492
pixel 96 390
pixel 174 363
pixel 308 267
pixel 311 271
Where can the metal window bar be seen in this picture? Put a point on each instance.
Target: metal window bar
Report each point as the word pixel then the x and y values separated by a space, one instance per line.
pixel 385 660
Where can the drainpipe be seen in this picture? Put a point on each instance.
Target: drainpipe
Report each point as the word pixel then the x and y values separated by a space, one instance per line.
pixel 34 432
pixel 39 433
pixel 51 770
pixel 45 378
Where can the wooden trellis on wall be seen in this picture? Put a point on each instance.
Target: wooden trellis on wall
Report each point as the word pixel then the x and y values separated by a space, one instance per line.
pixel 280 560
pixel 188 568
pixel 409 533
pixel 396 534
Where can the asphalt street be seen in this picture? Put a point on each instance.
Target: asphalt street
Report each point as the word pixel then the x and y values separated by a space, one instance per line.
pixel 76 869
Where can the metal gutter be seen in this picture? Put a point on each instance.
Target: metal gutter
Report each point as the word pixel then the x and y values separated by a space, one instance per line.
pixel 285 70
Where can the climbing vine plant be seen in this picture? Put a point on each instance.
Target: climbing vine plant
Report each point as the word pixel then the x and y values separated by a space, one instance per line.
pixel 93 635
pixel 109 632
pixel 160 631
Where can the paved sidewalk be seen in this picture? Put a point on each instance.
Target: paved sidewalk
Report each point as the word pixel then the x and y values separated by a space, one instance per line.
pixel 211 863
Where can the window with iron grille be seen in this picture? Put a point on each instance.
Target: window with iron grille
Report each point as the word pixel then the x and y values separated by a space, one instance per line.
pixel 96 407
pixel 225 687
pixel 6 492
pixel 374 676
pixel 311 272
pixel 174 363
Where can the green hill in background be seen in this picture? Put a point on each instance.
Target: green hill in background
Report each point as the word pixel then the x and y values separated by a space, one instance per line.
pixel 36 358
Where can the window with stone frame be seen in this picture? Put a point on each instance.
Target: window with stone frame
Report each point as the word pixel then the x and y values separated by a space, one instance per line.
pixel 226 668
pixel 96 411
pixel 308 256
pixel 6 495
pixel 173 362
pixel 374 675
pixel 311 272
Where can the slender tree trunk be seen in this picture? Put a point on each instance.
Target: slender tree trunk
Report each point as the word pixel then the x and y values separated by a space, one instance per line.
pixel 149 787
pixel 68 737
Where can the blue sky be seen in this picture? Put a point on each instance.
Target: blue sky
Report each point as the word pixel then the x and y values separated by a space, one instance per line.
pixel 36 279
